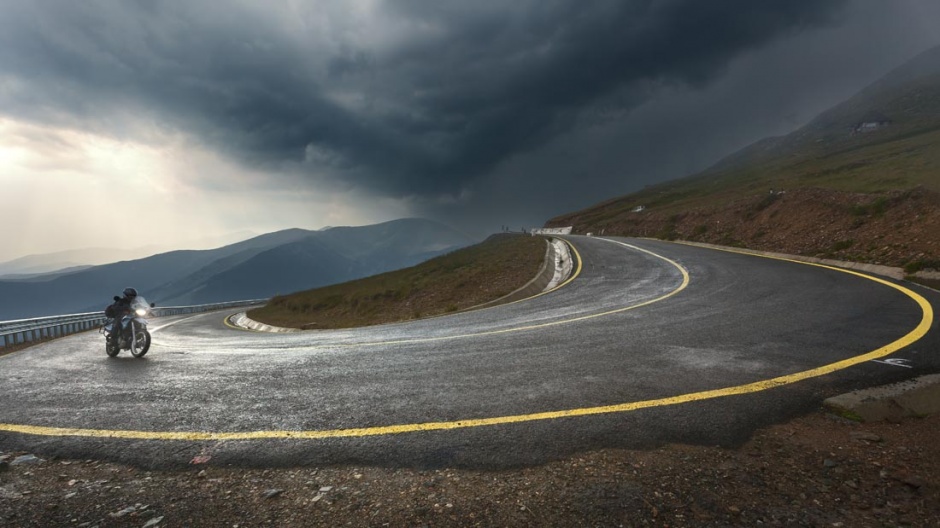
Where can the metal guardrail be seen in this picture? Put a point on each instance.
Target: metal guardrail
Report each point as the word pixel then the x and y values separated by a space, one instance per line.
pixel 552 230
pixel 28 330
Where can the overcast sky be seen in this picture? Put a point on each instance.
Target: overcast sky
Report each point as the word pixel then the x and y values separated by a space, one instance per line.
pixel 130 123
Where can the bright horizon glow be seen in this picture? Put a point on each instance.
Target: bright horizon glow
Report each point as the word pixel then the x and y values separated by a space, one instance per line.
pixel 96 191
pixel 204 120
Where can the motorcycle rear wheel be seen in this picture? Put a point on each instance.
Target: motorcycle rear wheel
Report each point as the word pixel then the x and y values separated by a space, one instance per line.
pixel 142 345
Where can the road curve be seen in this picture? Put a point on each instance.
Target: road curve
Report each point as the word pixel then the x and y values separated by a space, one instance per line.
pixel 652 343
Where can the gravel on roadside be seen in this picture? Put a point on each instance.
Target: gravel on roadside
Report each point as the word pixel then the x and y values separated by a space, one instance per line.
pixel 817 470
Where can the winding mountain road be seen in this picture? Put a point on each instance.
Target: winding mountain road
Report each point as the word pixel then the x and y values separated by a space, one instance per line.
pixel 651 343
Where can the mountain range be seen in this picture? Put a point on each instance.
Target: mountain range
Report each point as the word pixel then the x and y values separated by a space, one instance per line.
pixel 260 267
pixel 859 182
pixel 40 265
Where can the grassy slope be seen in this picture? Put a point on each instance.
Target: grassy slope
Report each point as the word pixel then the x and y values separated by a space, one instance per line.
pixel 881 162
pixel 823 159
pixel 445 284
pixel 877 203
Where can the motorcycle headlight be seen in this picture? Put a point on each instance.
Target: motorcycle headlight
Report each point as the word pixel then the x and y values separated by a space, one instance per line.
pixel 141 312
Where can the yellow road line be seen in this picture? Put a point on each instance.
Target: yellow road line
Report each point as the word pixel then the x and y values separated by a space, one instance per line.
pixel 917 333
pixel 683 284
pixel 570 279
pixel 226 321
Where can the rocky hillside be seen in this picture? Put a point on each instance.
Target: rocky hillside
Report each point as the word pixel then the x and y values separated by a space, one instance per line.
pixel 860 182
pixel 896 228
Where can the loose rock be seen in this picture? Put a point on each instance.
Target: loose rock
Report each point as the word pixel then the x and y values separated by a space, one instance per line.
pixel 125 511
pixel 26 460
pixel 908 479
pixel 153 522
pixel 271 493
pixel 865 436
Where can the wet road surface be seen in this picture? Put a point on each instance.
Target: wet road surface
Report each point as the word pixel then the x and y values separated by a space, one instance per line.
pixel 651 343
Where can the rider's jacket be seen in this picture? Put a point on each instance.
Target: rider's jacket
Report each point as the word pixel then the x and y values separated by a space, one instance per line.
pixel 118 308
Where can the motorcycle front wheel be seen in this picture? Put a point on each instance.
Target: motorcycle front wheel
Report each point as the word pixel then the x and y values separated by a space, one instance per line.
pixel 111 348
pixel 141 345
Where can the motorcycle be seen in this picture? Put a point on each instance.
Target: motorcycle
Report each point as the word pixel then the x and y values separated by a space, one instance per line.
pixel 132 327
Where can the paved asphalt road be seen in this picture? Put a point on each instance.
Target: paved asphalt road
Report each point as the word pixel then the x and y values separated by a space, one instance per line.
pixel 692 332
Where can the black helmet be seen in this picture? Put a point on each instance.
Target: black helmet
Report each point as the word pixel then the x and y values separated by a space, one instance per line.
pixel 130 292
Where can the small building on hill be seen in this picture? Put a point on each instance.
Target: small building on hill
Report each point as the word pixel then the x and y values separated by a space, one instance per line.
pixel 871 122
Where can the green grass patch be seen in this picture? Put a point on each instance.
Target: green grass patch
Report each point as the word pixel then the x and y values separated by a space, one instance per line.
pixel 668 233
pixel 921 264
pixel 892 163
pixel 876 208
pixel 445 284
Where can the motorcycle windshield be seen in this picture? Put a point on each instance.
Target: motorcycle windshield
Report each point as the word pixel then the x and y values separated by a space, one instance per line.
pixel 139 303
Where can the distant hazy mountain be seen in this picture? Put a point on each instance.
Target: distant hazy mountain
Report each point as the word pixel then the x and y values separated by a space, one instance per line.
pixel 280 262
pixel 61 260
pixel 394 245
pixel 337 254
pixel 31 266
pixel 42 277
pixel 305 264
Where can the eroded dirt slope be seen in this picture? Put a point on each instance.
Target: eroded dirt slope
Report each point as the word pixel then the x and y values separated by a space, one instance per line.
pixel 899 228
pixel 818 470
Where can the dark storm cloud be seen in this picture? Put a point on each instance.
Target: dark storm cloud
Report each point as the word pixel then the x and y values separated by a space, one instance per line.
pixel 494 83
pixel 459 87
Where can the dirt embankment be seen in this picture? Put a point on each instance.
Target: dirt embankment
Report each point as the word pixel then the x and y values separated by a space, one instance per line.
pixel 900 228
pixel 818 470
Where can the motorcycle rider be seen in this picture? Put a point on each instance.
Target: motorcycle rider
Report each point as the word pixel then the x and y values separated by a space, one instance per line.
pixel 117 311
